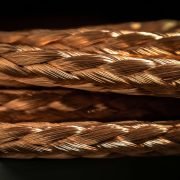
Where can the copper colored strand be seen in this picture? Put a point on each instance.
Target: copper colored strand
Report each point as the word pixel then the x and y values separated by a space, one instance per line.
pixel 54 37
pixel 67 105
pixel 111 58
pixel 155 73
pixel 89 139
pixel 45 114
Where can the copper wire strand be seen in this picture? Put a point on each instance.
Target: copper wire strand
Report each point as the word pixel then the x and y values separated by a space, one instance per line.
pixel 102 58
pixel 42 37
pixel 89 139
pixel 68 105
pixel 60 120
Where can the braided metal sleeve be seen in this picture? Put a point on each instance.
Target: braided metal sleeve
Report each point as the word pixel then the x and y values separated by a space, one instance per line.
pixel 103 58
pixel 89 139
pixel 24 66
pixel 64 105
pixel 102 39
pixel 54 37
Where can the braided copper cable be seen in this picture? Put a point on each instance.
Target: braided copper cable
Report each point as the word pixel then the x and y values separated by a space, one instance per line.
pixel 103 58
pixel 53 37
pixel 49 66
pixel 89 139
pixel 101 39
pixel 64 105
pixel 27 66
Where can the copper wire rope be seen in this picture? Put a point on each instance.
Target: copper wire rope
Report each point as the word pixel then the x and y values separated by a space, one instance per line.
pixel 89 139
pixel 68 105
pixel 102 58
pixel 61 91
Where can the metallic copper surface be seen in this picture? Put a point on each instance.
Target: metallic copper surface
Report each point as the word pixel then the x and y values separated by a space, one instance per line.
pixel 60 91
pixel 53 37
pixel 150 71
pixel 89 139
pixel 68 105
pixel 131 58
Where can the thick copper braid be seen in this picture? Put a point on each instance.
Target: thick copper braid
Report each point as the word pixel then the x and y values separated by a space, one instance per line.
pixel 67 105
pixel 149 69
pixel 89 139
pixel 128 59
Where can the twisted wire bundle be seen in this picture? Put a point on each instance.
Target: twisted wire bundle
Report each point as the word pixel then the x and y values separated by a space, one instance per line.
pixel 127 62
pixel 61 91
pixel 94 139
pixel 67 105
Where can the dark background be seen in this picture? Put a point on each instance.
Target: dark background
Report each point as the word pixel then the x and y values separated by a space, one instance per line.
pixel 19 15
pixel 15 15
pixel 86 169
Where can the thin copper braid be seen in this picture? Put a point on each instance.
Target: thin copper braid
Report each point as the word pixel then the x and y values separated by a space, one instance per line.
pixel 51 38
pixel 67 105
pixel 112 39
pixel 89 139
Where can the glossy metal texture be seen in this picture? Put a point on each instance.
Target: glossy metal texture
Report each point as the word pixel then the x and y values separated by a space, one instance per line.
pixel 89 139
pixel 101 59
pixel 69 105
pixel 94 92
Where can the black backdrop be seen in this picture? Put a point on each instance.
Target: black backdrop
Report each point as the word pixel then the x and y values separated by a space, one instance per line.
pixel 15 15
pixel 18 15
